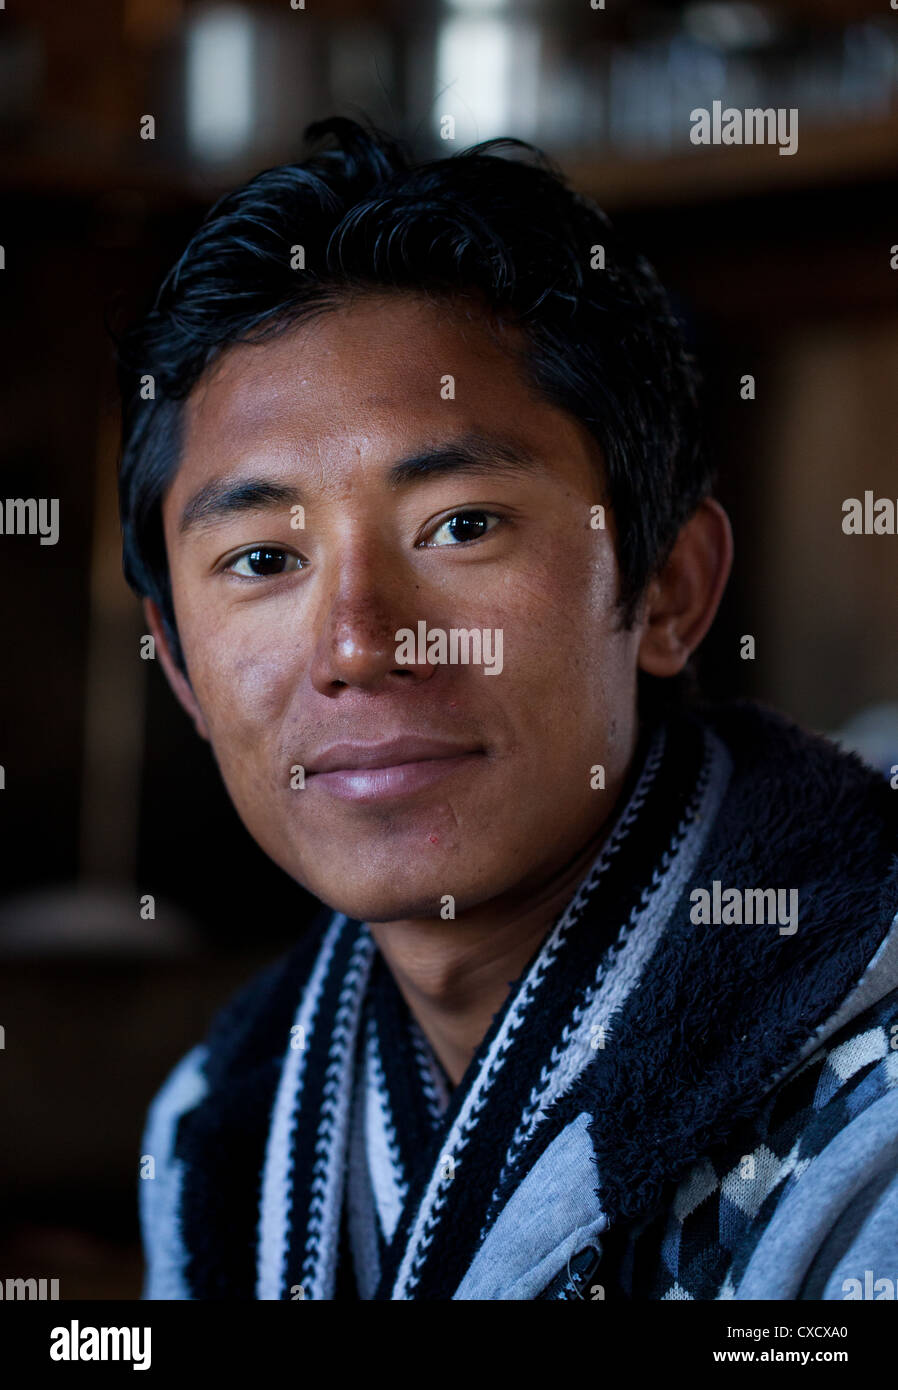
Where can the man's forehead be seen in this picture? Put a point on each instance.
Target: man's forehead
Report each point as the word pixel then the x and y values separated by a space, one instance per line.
pixel 299 400
pixel 373 353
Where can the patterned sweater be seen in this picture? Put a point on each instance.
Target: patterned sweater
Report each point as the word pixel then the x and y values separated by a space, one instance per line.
pixel 691 1092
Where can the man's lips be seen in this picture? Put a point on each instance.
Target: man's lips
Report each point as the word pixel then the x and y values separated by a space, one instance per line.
pixel 391 768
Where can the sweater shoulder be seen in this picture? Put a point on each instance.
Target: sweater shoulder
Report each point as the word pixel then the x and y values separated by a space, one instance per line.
pixel 776 757
pixel 833 1170
pixel 749 1218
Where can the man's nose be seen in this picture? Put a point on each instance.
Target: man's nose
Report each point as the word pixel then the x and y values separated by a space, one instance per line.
pixel 371 598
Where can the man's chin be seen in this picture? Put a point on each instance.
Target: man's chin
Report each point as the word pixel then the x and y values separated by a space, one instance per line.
pixel 386 905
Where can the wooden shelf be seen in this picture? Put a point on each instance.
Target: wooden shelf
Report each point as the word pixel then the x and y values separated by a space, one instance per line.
pixel 51 165
pixel 862 150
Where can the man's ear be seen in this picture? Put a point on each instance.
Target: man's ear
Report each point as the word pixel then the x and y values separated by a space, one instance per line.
pixel 681 602
pixel 176 677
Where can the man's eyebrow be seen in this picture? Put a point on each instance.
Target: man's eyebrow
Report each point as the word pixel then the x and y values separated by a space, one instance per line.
pixel 472 454
pixel 220 499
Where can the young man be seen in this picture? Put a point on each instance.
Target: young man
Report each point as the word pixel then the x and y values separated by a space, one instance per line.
pixel 603 1001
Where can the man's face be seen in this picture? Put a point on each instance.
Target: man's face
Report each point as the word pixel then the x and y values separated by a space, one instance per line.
pixel 290 633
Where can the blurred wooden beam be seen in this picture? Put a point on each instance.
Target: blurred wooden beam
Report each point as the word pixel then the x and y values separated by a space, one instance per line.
pixel 115 689
pixel 826 154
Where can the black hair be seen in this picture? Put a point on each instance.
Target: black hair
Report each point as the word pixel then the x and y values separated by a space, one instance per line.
pixel 496 220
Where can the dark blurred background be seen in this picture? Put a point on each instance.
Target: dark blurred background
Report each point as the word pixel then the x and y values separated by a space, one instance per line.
pixel 780 266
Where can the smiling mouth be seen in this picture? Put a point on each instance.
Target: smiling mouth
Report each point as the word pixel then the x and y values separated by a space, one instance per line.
pixel 393 780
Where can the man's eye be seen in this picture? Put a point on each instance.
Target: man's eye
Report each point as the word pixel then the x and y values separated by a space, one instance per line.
pixel 262 561
pixel 464 526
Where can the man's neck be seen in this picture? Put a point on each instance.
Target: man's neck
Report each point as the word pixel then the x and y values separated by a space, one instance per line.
pixel 455 975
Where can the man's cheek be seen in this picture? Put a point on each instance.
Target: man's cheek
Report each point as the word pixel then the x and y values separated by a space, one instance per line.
pixel 244 685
